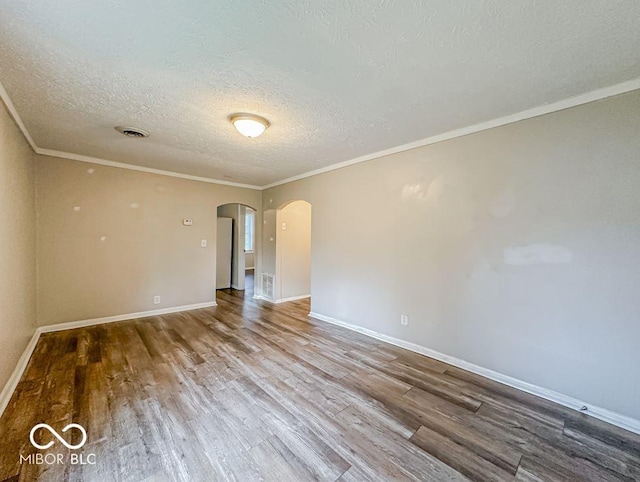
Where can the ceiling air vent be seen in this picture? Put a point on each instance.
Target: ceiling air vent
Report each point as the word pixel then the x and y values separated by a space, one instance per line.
pixel 132 132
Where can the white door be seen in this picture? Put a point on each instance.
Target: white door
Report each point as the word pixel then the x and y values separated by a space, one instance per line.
pixel 223 258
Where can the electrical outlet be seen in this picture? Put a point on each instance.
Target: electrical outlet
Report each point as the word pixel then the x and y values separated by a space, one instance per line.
pixel 404 320
pixel 156 300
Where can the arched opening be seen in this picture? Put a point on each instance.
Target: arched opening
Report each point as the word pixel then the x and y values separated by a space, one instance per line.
pixel 286 252
pixel 236 247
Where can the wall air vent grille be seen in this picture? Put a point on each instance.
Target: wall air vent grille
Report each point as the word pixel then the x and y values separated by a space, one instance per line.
pixel 268 285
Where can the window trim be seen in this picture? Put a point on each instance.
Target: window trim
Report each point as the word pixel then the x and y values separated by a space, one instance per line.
pixel 250 214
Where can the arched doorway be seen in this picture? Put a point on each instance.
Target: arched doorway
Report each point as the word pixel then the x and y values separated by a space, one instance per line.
pixel 286 252
pixel 235 247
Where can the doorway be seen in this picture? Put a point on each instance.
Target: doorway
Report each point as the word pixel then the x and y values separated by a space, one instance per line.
pixel 235 247
pixel 286 253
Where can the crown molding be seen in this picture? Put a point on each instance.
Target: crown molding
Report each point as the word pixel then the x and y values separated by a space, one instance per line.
pixel 592 96
pixel 133 167
pixel 16 117
pixel 563 104
pixel 103 162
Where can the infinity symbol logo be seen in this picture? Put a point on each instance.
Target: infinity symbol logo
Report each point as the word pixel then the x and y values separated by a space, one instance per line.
pixel 57 435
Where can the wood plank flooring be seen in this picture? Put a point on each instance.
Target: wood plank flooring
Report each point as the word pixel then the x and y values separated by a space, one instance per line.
pixel 252 391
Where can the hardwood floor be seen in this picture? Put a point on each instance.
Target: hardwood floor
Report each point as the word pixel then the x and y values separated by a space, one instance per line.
pixel 252 391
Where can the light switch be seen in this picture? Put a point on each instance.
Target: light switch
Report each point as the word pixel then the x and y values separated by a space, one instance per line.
pixel 203 243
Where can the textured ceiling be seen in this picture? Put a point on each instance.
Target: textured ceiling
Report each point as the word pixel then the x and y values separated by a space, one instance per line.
pixel 336 79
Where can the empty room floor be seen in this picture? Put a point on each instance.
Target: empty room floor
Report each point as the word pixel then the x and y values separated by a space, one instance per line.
pixel 253 391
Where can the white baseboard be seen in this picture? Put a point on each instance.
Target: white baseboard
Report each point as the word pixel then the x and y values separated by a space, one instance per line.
pixel 614 418
pixel 129 316
pixel 263 298
pixel 16 375
pixel 292 298
pixel 600 413
pixel 18 371
pixel 281 300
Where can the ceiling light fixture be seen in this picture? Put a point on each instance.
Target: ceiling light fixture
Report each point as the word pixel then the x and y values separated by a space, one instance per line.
pixel 249 125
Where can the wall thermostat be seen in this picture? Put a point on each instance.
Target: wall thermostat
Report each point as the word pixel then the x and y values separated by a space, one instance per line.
pixel 187 222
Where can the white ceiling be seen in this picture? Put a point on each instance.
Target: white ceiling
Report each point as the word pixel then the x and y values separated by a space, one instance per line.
pixel 336 79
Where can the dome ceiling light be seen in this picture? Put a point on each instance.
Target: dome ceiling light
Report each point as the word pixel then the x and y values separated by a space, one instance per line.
pixel 249 125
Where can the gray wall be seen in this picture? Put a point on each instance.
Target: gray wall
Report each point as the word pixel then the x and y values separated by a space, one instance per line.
pixel 127 243
pixel 17 245
pixel 293 247
pixel 269 233
pixel 517 248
